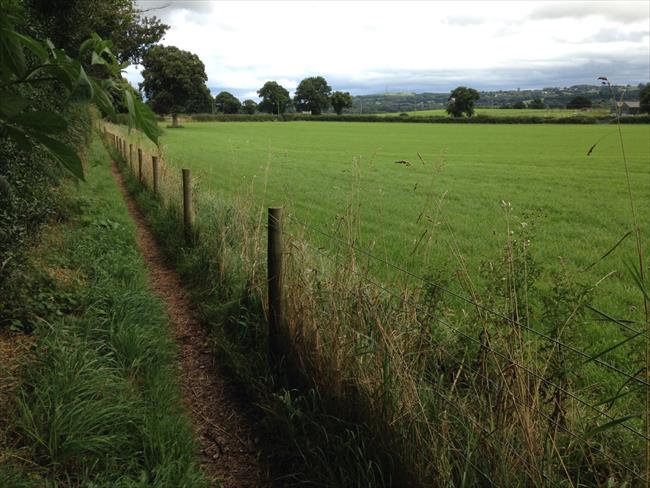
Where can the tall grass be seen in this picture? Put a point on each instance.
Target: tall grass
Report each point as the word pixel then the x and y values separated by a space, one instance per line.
pixel 98 403
pixel 397 383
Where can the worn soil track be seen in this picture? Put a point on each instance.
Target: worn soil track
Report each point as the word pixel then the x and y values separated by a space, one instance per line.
pixel 229 456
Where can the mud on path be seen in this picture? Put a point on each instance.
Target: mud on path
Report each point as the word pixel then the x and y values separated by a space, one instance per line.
pixel 229 457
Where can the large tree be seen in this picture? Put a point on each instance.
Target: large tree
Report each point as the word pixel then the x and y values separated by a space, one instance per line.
pixel 644 99
pixel 172 80
pixel 226 103
pixel 201 102
pixel 249 107
pixel 313 94
pixel 341 100
pixel 275 98
pixel 461 101
pixel 70 22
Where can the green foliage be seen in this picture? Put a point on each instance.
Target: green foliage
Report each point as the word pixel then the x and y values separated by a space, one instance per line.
pixel 227 103
pixel 98 404
pixel 26 126
pixel 519 105
pixel 249 107
pixel 579 102
pixel 312 94
pixel 201 101
pixel 537 104
pixel 275 98
pixel 461 101
pixel 68 23
pixel 644 99
pixel 514 117
pixel 173 80
pixel 341 100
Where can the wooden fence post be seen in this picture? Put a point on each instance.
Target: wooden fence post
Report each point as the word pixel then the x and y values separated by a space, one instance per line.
pixel 188 211
pixel 274 275
pixel 131 157
pixel 154 174
pixel 140 164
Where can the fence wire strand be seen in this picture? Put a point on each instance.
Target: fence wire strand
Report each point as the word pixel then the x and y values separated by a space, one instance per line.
pixel 569 347
pixel 557 424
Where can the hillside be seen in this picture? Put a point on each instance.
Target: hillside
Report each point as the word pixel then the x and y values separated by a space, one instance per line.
pixel 553 97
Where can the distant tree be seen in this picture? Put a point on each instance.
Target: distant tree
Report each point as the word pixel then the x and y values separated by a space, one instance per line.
pixel 461 101
pixel 313 94
pixel 249 107
pixel 537 104
pixel 644 100
pixel 341 100
pixel 275 98
pixel 579 102
pixel 227 103
pixel 201 102
pixel 519 105
pixel 172 80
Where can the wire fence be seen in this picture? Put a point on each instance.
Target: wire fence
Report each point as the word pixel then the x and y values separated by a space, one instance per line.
pixel 504 358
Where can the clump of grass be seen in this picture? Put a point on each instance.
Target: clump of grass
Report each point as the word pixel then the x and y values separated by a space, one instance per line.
pixel 98 403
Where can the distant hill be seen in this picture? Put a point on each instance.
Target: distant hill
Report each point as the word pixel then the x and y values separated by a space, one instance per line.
pixel 552 97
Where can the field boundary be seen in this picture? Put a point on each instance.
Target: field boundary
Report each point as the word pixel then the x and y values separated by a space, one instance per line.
pixel 414 119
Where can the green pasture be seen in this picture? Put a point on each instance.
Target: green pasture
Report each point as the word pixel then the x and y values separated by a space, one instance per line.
pixel 525 112
pixel 573 206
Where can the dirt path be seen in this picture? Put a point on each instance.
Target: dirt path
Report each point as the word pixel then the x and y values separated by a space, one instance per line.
pixel 229 457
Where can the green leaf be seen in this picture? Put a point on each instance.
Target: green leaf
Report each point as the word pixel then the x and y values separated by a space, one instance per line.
pixel 638 279
pixel 87 45
pixel 11 104
pixel 34 46
pixel 97 59
pixel 615 346
pixel 85 83
pixel 128 100
pixel 64 154
pixel 18 136
pixel 12 57
pixel 145 120
pixel 46 122
pixel 604 427
pixel 611 250
pixel 102 99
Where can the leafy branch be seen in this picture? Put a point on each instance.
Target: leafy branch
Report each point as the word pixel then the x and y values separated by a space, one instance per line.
pixel 100 84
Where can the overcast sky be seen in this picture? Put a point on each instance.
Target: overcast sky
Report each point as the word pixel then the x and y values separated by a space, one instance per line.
pixel 376 46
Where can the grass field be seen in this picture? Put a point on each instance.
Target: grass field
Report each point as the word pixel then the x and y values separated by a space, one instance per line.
pixel 526 112
pixel 442 211
pixel 572 206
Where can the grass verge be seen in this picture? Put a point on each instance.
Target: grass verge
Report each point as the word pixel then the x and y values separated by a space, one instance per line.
pixel 95 401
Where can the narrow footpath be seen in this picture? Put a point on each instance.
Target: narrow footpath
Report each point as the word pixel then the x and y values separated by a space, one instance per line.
pixel 229 456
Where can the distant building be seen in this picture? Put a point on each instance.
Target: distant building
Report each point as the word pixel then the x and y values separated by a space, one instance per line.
pixel 627 108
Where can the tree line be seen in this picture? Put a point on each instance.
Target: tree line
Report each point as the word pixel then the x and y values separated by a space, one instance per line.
pixel 175 82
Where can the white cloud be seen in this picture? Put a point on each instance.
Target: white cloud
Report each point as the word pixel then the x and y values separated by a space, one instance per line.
pixel 369 46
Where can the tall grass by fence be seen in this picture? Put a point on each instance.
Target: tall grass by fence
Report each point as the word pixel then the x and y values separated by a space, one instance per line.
pixel 459 388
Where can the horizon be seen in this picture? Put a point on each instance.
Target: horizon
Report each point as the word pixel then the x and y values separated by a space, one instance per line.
pixel 368 48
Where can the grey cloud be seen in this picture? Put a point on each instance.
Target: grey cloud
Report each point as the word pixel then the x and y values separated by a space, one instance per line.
pixel 618 35
pixel 626 12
